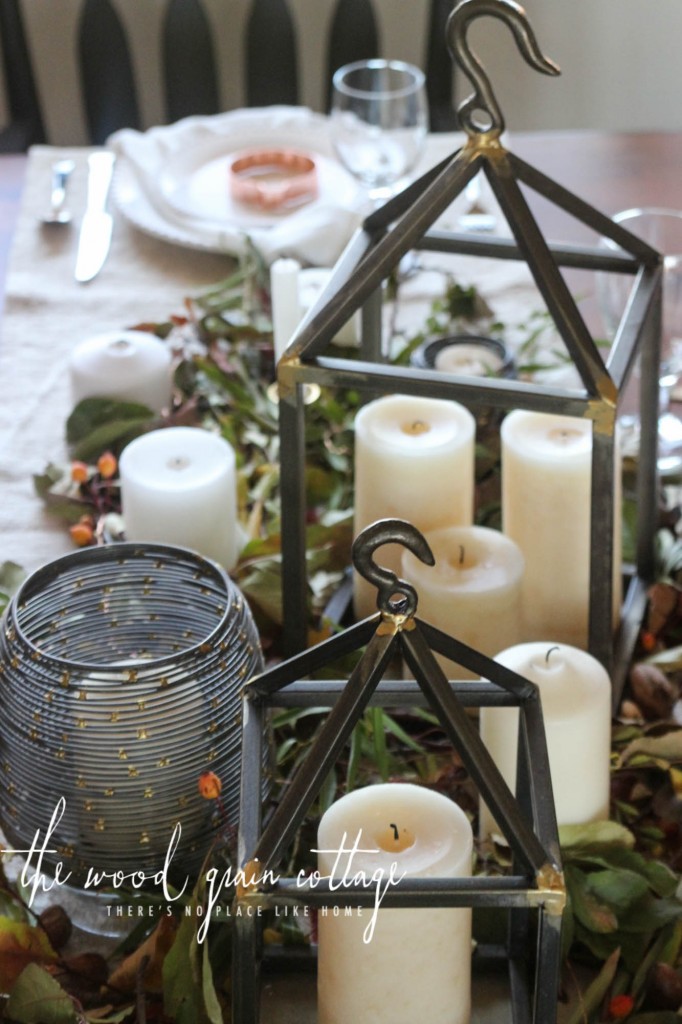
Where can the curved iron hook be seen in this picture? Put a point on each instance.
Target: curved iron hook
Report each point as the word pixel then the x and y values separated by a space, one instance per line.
pixel 483 98
pixel 396 596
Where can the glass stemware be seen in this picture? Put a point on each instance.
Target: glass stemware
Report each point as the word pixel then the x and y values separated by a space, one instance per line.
pixel 379 121
pixel 661 228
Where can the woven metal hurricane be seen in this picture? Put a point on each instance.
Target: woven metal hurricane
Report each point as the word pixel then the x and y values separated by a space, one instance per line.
pixel 406 223
pixel 121 670
pixel 532 897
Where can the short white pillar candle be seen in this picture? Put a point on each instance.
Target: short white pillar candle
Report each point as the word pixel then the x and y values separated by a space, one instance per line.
pixel 575 693
pixel 414 460
pixel 417 963
pixel 546 490
pixel 473 592
pixel 178 486
pixel 285 301
pixel 131 366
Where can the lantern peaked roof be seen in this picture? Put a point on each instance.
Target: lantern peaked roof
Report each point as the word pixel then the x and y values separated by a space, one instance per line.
pixel 395 632
pixel 406 222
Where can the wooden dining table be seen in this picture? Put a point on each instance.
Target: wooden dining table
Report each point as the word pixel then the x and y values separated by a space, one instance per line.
pixel 146 279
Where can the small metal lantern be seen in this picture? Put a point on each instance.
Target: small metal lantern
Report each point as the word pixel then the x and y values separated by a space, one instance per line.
pixel 121 670
pixel 405 223
pixel 533 896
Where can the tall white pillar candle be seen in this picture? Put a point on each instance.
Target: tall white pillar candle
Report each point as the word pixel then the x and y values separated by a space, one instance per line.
pixel 414 460
pixel 132 366
pixel 417 963
pixel 575 693
pixel 178 486
pixel 473 592
pixel 311 282
pixel 546 489
pixel 286 304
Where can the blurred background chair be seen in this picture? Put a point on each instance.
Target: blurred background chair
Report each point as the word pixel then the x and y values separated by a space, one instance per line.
pixel 77 70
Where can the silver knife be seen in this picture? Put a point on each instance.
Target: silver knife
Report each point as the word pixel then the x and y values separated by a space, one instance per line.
pixel 95 233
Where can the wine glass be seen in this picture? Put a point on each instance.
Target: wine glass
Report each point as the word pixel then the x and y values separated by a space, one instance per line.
pixel 662 229
pixel 379 121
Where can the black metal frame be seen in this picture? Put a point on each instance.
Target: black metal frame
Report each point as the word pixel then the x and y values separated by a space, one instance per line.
pixel 527 820
pixel 405 223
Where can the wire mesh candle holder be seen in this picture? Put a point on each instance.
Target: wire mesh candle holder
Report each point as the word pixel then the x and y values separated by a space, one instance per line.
pixel 532 897
pixel 121 670
pixel 406 222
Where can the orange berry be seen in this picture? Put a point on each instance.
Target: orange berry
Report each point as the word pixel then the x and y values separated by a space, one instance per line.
pixel 210 786
pixel 82 534
pixel 79 472
pixel 648 640
pixel 107 465
pixel 620 1007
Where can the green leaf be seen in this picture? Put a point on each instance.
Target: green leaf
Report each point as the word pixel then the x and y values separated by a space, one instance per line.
pixel 92 413
pixel 211 1004
pixel 594 834
pixel 667 747
pixel 181 992
pixel 38 999
pixel 594 994
pixel 99 423
pixel 619 889
pixel 11 577
pixel 593 914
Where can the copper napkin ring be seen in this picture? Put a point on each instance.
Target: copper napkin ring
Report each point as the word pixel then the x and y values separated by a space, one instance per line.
pixel 273 178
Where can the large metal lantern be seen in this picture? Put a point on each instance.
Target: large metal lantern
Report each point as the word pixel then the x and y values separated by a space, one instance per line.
pixel 406 223
pixel 532 897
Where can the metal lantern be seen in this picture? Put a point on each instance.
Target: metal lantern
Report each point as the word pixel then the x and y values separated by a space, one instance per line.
pixel 405 223
pixel 533 895
pixel 121 670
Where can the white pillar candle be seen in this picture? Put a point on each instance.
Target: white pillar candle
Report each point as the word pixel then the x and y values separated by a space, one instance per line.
pixel 473 592
pixel 546 489
pixel 131 366
pixel 311 282
pixel 286 306
pixel 417 964
pixel 575 693
pixel 178 486
pixel 414 460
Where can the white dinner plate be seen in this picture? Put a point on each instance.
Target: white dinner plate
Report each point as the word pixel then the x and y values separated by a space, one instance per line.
pixel 178 190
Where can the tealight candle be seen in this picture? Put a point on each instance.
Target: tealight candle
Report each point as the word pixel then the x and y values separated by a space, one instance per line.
pixel 468 360
pixel 132 366
pixel 546 489
pixel 575 693
pixel 311 282
pixel 286 306
pixel 417 963
pixel 178 486
pixel 473 592
pixel 414 460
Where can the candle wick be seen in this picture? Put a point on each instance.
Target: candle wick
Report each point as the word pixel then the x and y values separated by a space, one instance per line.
pixel 396 834
pixel 461 554
pixel 555 648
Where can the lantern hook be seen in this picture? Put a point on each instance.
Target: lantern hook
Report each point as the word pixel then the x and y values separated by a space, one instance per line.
pixel 395 596
pixel 482 101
